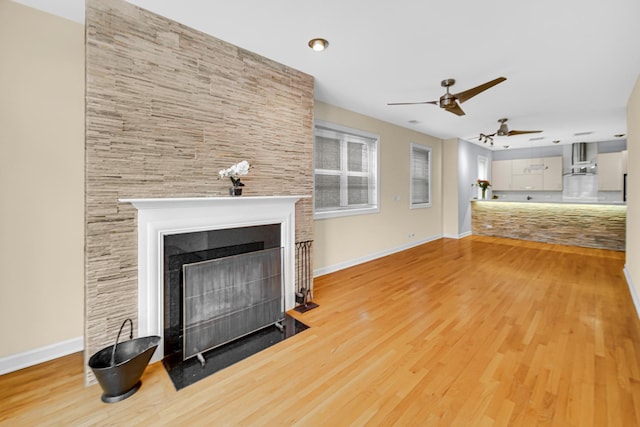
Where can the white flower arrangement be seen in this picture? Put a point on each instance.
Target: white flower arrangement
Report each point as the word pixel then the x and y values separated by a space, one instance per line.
pixel 234 172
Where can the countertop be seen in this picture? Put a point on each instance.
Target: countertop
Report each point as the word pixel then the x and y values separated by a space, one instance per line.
pixel 557 202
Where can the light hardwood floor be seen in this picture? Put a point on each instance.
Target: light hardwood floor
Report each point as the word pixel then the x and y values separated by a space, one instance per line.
pixel 478 331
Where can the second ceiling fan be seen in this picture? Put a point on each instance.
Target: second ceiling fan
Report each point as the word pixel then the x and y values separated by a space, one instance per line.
pixel 503 130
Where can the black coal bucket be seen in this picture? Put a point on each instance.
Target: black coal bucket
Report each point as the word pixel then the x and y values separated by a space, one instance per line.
pixel 118 368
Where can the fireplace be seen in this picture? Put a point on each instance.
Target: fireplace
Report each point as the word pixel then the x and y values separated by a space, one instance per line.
pixel 160 218
pixel 219 285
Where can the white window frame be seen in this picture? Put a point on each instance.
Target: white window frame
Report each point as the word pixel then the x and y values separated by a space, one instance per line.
pixel 419 147
pixel 483 173
pixel 373 174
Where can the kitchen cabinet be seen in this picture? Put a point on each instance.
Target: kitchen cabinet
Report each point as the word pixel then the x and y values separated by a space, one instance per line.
pixel 501 175
pixel 527 174
pixel 552 174
pixel 535 174
pixel 610 171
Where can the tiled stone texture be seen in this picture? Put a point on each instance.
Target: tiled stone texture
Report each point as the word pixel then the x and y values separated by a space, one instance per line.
pixel 592 226
pixel 166 108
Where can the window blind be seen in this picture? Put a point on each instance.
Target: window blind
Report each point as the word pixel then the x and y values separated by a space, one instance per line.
pixel 420 175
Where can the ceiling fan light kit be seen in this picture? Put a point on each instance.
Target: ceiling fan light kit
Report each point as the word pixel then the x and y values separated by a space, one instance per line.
pixel 486 138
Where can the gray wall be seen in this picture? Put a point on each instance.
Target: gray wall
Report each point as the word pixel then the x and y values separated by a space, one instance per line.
pixel 467 175
pixel 525 153
pixel 612 146
pixel 556 150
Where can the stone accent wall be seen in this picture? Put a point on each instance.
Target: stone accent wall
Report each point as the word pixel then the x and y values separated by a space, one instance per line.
pixel 166 108
pixel 591 226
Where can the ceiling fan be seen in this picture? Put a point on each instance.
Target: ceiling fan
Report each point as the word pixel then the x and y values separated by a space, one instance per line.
pixel 449 101
pixel 503 130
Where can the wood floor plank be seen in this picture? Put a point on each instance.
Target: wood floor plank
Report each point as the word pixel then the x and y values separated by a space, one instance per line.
pixel 478 331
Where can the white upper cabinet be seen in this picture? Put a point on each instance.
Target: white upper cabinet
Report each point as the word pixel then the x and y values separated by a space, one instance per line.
pixel 552 175
pixel 536 174
pixel 526 174
pixel 610 171
pixel 501 175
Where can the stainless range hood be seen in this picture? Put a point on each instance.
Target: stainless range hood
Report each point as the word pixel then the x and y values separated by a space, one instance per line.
pixel 583 158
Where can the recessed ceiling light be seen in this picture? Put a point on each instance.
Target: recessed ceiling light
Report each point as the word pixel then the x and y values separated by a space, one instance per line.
pixel 505 146
pixel 414 122
pixel 318 44
pixel 582 133
pixel 619 135
pixel 557 141
pixel 537 138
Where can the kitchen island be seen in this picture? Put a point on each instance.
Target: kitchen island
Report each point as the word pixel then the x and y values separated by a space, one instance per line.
pixel 593 225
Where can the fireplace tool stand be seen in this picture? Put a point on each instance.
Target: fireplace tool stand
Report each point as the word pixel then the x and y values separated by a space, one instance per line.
pixel 304 293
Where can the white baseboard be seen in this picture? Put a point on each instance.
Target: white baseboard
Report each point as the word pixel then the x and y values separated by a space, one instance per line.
pixel 457 236
pixel 632 290
pixel 39 355
pixel 350 263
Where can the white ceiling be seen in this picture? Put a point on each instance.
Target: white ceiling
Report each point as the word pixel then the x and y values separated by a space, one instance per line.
pixel 570 64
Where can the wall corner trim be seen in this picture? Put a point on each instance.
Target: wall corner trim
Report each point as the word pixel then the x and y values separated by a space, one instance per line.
pixel 632 290
pixel 39 355
pixel 456 236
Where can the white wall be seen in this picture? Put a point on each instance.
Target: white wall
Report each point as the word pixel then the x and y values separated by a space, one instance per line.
pixel 632 264
pixel 339 242
pixel 41 179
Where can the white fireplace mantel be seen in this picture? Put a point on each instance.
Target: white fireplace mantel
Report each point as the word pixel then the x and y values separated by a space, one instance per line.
pixel 158 217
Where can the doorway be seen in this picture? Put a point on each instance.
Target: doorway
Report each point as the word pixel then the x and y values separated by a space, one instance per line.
pixel 483 173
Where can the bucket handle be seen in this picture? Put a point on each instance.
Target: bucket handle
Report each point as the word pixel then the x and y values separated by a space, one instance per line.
pixel 113 352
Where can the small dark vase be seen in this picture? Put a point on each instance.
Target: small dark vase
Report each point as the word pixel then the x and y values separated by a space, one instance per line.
pixel 236 189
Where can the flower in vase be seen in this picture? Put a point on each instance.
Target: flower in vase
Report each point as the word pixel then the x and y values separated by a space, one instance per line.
pixel 484 184
pixel 234 172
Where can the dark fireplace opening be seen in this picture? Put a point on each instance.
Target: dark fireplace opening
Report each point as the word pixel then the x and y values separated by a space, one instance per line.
pixel 202 252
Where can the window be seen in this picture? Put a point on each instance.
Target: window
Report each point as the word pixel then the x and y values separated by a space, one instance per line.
pixel 346 171
pixel 483 173
pixel 420 176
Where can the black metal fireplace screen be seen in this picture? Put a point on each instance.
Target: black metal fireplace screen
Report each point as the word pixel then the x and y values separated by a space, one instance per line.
pixel 231 297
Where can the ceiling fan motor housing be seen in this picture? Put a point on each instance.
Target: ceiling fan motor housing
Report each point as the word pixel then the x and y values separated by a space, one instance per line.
pixel 503 130
pixel 447 101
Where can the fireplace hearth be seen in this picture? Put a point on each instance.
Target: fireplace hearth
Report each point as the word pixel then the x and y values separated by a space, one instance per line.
pixel 187 372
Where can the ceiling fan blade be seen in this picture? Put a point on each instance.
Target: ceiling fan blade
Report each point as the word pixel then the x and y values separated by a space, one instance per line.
pixel 455 109
pixel 468 94
pixel 522 132
pixel 413 103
